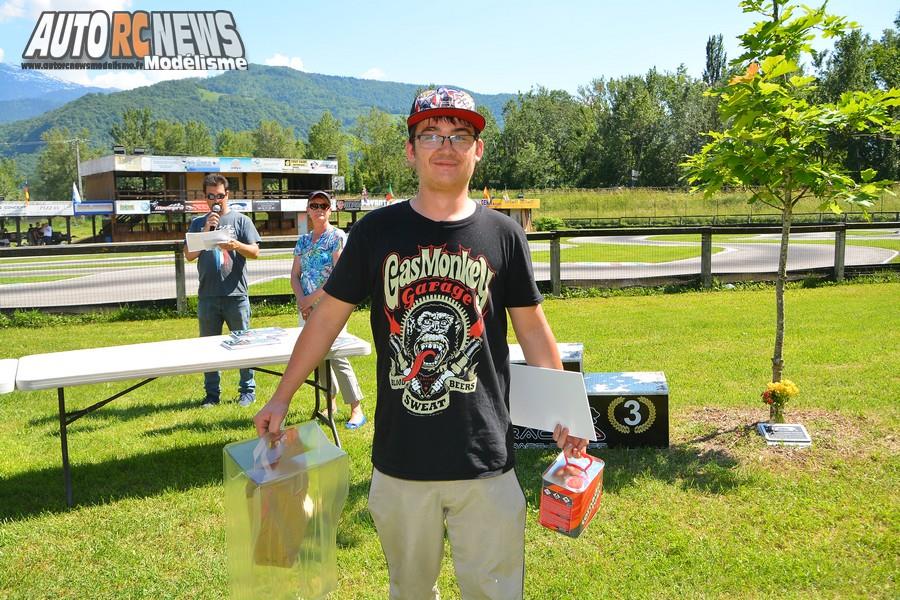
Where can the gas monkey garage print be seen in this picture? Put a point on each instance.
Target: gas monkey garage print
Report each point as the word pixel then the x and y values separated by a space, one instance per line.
pixel 434 304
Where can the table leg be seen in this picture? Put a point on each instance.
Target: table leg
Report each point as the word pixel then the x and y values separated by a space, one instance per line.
pixel 331 424
pixel 67 473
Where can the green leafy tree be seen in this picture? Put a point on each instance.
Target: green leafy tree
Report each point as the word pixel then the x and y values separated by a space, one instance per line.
pixel 886 56
pixel 235 143
pixel 56 163
pixel 327 138
pixel 381 153
pixel 167 138
pixel 10 180
pixel 716 61
pixel 135 130
pixel 272 140
pixel 543 140
pixel 776 140
pixel 646 124
pixel 197 139
pixel 489 170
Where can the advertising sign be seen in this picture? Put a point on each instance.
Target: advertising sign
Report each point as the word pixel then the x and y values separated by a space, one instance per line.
pixel 240 205
pixel 166 164
pixel 166 206
pixel 267 205
pixel 293 205
pixel 196 206
pixel 36 209
pixel 133 207
pixel 95 207
pixel 202 164
pixel 237 165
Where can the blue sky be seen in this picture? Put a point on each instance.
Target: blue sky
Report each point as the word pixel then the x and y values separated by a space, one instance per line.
pixel 487 46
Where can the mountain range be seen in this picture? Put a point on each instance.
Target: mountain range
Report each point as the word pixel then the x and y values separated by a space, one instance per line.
pixel 25 94
pixel 235 99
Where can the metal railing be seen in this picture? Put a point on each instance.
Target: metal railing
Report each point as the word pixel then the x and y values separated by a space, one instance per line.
pixel 816 218
pixel 80 275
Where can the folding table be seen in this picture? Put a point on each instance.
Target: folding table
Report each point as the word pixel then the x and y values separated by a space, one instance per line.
pixel 8 374
pixel 148 361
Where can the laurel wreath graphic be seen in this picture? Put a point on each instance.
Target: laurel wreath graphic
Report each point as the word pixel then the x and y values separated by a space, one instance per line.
pixel 641 428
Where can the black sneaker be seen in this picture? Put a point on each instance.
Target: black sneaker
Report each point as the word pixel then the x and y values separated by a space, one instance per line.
pixel 209 402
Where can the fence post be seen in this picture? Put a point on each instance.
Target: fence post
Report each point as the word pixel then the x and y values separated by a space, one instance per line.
pixel 840 245
pixel 180 288
pixel 555 259
pixel 706 258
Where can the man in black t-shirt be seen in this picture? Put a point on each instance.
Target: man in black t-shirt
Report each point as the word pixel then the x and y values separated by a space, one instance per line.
pixel 442 272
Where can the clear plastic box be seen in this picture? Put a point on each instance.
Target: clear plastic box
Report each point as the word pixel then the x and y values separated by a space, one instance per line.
pixel 283 499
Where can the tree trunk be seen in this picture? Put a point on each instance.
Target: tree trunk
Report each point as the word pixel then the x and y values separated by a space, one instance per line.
pixel 778 356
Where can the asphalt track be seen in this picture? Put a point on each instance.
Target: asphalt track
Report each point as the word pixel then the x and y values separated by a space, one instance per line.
pixel 128 279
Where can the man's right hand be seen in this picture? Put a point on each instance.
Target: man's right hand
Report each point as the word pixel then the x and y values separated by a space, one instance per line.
pixel 212 221
pixel 270 417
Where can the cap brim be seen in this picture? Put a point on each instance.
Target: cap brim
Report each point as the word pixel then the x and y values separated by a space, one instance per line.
pixel 466 115
pixel 318 193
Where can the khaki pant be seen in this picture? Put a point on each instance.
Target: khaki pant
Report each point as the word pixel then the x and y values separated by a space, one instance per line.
pixel 485 522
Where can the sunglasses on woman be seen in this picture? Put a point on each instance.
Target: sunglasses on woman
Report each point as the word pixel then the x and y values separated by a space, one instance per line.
pixel 319 206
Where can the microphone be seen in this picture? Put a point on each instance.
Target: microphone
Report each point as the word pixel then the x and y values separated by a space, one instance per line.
pixel 216 209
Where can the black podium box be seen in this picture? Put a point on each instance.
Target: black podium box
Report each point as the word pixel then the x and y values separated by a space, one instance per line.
pixel 571 354
pixel 630 409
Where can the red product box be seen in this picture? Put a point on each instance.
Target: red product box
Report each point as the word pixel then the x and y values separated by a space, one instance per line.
pixel 570 493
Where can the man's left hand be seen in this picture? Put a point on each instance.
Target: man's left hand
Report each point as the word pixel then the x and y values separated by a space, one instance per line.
pixel 231 244
pixel 572 446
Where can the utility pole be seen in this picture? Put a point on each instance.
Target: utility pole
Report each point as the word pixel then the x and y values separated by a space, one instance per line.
pixel 78 168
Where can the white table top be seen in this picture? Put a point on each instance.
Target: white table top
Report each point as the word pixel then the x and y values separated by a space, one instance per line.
pixel 569 352
pixel 156 359
pixel 8 374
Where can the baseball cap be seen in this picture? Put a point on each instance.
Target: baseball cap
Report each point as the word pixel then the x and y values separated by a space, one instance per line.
pixel 445 102
pixel 318 193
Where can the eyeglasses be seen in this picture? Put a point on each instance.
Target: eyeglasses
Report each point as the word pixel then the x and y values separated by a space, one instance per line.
pixel 463 141
pixel 318 206
pixel 216 196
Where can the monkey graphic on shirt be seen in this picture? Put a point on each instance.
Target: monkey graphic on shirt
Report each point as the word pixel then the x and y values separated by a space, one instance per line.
pixel 434 303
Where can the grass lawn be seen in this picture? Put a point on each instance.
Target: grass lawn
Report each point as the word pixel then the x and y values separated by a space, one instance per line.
pixel 282 285
pixel 33 279
pixel 718 514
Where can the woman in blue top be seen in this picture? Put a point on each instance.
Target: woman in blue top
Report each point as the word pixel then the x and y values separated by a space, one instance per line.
pixel 314 257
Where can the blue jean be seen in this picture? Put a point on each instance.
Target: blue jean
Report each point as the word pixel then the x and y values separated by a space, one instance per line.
pixel 213 311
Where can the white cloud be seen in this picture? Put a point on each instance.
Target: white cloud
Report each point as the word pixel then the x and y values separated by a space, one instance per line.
pixel 280 60
pixel 373 73
pixel 12 9
pixel 125 79
pixel 2 53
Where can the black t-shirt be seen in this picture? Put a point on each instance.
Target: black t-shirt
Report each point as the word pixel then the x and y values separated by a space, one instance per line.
pixel 439 293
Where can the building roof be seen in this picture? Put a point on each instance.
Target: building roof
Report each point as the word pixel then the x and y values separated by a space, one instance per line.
pixel 144 163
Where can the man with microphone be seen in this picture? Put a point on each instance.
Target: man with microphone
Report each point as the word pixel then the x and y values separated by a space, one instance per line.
pixel 222 295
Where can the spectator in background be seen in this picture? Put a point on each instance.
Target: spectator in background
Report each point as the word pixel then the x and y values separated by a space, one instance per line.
pixel 34 234
pixel 315 255
pixel 47 234
pixel 222 295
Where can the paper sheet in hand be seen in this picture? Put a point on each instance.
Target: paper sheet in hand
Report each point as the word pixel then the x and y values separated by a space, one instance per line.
pixel 541 398
pixel 206 240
